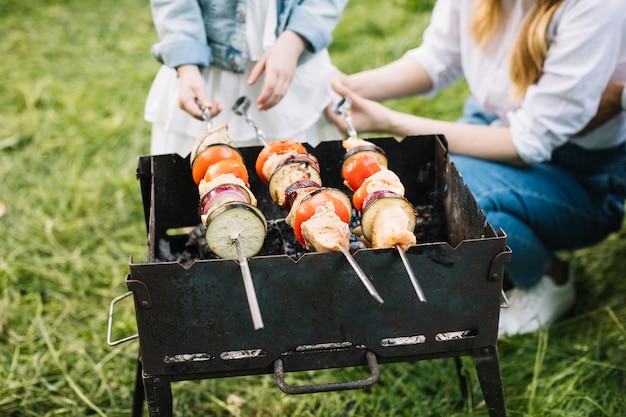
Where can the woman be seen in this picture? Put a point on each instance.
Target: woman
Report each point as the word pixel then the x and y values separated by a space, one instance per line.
pixel 214 51
pixel 536 70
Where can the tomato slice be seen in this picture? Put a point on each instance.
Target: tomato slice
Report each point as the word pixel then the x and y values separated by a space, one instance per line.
pixel 359 196
pixel 275 147
pixel 227 166
pixel 358 169
pixel 211 155
pixel 310 203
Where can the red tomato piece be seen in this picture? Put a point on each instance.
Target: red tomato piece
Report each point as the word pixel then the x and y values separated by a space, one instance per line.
pixel 358 169
pixel 273 148
pixel 227 166
pixel 359 195
pixel 309 204
pixel 211 155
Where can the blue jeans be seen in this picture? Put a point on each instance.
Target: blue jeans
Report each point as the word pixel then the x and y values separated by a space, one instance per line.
pixel 575 200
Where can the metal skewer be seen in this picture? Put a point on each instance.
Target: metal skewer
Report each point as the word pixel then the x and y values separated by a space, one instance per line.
pixel 412 277
pixel 364 279
pixel 343 107
pixel 240 108
pixel 206 114
pixel 257 320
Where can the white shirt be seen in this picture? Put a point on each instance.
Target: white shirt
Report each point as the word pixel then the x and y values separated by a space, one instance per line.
pixel 587 41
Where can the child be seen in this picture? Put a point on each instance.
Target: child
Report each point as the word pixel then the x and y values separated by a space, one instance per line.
pixel 214 51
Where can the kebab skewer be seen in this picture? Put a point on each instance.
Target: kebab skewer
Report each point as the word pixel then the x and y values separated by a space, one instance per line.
pixel 319 216
pixel 387 218
pixel 235 227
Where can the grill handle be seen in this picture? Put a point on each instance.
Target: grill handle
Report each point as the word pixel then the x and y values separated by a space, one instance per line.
pixel 110 326
pixel 372 363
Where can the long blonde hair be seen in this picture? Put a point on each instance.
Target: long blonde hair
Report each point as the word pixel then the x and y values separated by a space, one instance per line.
pixel 531 48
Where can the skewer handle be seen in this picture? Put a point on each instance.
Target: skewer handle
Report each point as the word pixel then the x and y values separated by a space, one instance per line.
pixel 364 279
pixel 240 108
pixel 343 107
pixel 351 130
pixel 206 114
pixel 259 133
pixel 257 320
pixel 412 277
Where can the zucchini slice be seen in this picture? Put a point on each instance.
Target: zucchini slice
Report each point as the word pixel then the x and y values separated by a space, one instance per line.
pixel 236 220
pixel 375 207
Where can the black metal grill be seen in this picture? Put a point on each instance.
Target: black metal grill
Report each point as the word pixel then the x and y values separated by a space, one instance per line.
pixel 194 323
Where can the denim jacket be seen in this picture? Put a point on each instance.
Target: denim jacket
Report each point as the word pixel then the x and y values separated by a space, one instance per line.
pixel 212 32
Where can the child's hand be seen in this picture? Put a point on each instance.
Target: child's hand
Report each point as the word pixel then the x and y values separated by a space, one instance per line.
pixel 193 92
pixel 279 64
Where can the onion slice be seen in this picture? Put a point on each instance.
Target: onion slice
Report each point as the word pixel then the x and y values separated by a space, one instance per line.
pixel 292 190
pixel 223 194
pixel 372 150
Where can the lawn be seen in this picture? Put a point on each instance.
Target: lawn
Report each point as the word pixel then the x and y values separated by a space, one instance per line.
pixel 75 74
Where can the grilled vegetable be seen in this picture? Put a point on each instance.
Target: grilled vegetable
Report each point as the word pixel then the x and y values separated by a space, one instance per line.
pixel 290 173
pixel 388 219
pixel 288 147
pixel 357 169
pixel 233 221
pixel 382 180
pixel 300 193
pixel 292 190
pixel 367 149
pixel 227 166
pixel 209 156
pixel 307 158
pixel 220 195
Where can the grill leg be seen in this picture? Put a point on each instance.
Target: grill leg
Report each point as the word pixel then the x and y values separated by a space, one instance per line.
pixel 139 396
pixel 490 378
pixel 159 395
pixel 462 380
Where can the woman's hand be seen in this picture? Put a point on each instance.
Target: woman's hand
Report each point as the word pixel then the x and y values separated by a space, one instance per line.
pixel 486 142
pixel 279 64
pixel 192 92
pixel 367 115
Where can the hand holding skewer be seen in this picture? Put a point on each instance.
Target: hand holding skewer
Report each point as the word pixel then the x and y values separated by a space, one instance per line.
pixel 206 114
pixel 343 107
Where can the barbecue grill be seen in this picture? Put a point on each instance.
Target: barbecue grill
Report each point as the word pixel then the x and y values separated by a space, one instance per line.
pixel 193 319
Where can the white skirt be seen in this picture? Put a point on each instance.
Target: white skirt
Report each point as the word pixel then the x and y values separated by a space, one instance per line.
pixel 299 115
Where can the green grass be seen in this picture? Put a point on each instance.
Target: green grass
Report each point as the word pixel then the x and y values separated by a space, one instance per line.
pixel 75 74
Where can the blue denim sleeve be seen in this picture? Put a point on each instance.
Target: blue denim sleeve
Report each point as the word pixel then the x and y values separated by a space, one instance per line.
pixel 315 21
pixel 182 36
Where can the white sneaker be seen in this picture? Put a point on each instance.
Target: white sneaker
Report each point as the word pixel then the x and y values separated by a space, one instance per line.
pixel 536 307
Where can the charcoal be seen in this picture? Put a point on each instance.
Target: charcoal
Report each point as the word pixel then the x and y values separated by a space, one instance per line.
pixel 430 225
pixel 280 239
